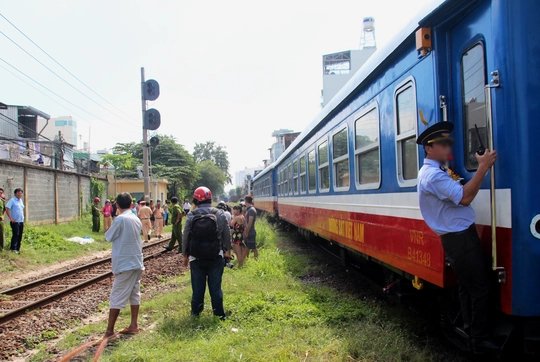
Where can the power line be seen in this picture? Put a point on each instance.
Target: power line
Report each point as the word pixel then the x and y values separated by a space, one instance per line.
pixel 54 60
pixel 59 96
pixel 45 94
pixel 60 77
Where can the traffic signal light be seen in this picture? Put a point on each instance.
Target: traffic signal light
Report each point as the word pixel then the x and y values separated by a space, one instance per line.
pixel 154 141
pixel 152 119
pixel 150 90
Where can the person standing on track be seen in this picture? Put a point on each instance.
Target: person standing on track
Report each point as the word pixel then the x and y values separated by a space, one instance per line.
pixel 127 265
pixel 2 212
pixel 250 234
pixel 145 213
pixel 95 215
pixel 446 207
pixel 175 214
pixel 206 244
pixel 15 213
pixel 158 222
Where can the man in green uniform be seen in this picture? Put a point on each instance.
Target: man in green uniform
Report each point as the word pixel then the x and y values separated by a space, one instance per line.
pixel 2 211
pixel 95 215
pixel 176 219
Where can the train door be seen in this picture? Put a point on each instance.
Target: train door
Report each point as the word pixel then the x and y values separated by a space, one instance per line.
pixel 472 76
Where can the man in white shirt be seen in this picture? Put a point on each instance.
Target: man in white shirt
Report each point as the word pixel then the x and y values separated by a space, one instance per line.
pixel 127 265
pixel 186 207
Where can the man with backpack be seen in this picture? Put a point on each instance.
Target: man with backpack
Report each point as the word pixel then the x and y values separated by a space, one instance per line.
pixel 206 244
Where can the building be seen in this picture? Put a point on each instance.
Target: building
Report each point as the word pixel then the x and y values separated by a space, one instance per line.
pixel 339 67
pixel 243 178
pixel 64 124
pixel 284 138
pixel 158 187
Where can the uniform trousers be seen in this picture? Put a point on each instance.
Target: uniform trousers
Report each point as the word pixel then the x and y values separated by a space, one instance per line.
pixel 464 252
pixel 95 224
pixel 146 228
pixel 176 236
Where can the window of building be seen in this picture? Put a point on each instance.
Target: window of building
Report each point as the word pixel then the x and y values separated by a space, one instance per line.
pixel 340 159
pixel 60 123
pixel 406 120
pixel 473 78
pixel 311 171
pixel 295 177
pixel 367 155
pixel 324 172
pixel 303 174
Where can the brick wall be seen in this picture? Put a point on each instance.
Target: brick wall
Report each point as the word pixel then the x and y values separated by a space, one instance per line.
pixel 50 195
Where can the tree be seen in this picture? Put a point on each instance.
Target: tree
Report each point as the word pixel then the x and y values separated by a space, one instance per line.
pixel 118 161
pixel 238 191
pixel 211 151
pixel 232 192
pixel 211 176
pixel 169 160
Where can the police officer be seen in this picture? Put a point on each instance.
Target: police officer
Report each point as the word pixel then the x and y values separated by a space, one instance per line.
pixel 445 206
pixel 95 215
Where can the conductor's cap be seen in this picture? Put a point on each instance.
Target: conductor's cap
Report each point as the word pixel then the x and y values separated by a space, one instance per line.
pixel 438 133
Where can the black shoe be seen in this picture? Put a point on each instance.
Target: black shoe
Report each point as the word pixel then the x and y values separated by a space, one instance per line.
pixel 167 248
pixel 481 346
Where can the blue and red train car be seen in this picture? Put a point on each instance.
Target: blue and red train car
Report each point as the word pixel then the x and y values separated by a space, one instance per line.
pixel 350 177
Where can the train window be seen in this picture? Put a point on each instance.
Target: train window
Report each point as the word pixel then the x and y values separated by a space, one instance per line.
pixel 473 78
pixel 291 189
pixel 324 172
pixel 303 174
pixel 407 150
pixel 367 156
pixel 311 171
pixel 285 181
pixel 340 159
pixel 295 177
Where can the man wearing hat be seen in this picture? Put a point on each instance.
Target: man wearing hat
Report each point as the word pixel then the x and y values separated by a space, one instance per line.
pixel 445 206
pixel 144 214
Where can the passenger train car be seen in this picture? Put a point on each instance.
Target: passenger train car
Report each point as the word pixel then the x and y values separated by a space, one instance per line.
pixel 350 177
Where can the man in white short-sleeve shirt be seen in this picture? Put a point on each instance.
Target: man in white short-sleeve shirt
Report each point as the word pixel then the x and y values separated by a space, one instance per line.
pixel 127 264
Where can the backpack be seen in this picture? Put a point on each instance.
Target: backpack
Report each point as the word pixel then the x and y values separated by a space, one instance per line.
pixel 204 238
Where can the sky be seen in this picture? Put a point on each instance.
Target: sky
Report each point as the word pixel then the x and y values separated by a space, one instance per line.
pixel 229 71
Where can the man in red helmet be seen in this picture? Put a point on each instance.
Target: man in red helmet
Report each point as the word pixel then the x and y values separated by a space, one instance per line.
pixel 95 215
pixel 206 243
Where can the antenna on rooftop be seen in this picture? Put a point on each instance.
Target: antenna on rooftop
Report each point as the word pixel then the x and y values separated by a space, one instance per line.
pixel 367 39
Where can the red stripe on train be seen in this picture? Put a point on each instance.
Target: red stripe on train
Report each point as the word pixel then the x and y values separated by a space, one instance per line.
pixel 407 244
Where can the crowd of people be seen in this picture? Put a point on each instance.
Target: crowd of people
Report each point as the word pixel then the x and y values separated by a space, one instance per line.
pixel 154 216
pixel 205 243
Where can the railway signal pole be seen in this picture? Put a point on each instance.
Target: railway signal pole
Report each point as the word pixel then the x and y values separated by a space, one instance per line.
pixel 151 120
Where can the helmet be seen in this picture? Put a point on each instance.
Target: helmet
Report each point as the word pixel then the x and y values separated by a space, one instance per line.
pixel 222 205
pixel 96 199
pixel 202 194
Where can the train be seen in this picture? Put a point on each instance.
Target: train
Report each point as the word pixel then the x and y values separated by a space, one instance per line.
pixel 350 176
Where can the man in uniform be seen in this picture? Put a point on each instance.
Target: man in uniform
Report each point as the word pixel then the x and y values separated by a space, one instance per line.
pixel 2 211
pixel 175 216
pixel 445 206
pixel 95 215
pixel 144 214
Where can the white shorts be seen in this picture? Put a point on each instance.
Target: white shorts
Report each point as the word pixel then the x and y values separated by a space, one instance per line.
pixel 126 287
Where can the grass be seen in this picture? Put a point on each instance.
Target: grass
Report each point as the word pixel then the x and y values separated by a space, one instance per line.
pixel 274 317
pixel 47 244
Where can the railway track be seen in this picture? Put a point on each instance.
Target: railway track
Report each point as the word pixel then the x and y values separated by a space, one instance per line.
pixel 19 300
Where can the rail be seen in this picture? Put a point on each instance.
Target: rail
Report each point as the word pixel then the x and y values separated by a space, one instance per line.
pixel 85 281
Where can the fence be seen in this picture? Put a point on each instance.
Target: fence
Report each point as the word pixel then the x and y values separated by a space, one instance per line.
pixel 50 196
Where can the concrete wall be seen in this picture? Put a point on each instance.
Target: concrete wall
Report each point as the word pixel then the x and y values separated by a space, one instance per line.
pixel 50 196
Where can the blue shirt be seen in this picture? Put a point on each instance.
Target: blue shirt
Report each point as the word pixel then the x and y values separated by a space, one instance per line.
pixel 439 197
pixel 16 209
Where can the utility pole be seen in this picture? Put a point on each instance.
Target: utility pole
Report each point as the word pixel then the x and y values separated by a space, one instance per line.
pixel 151 119
pixel 146 169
